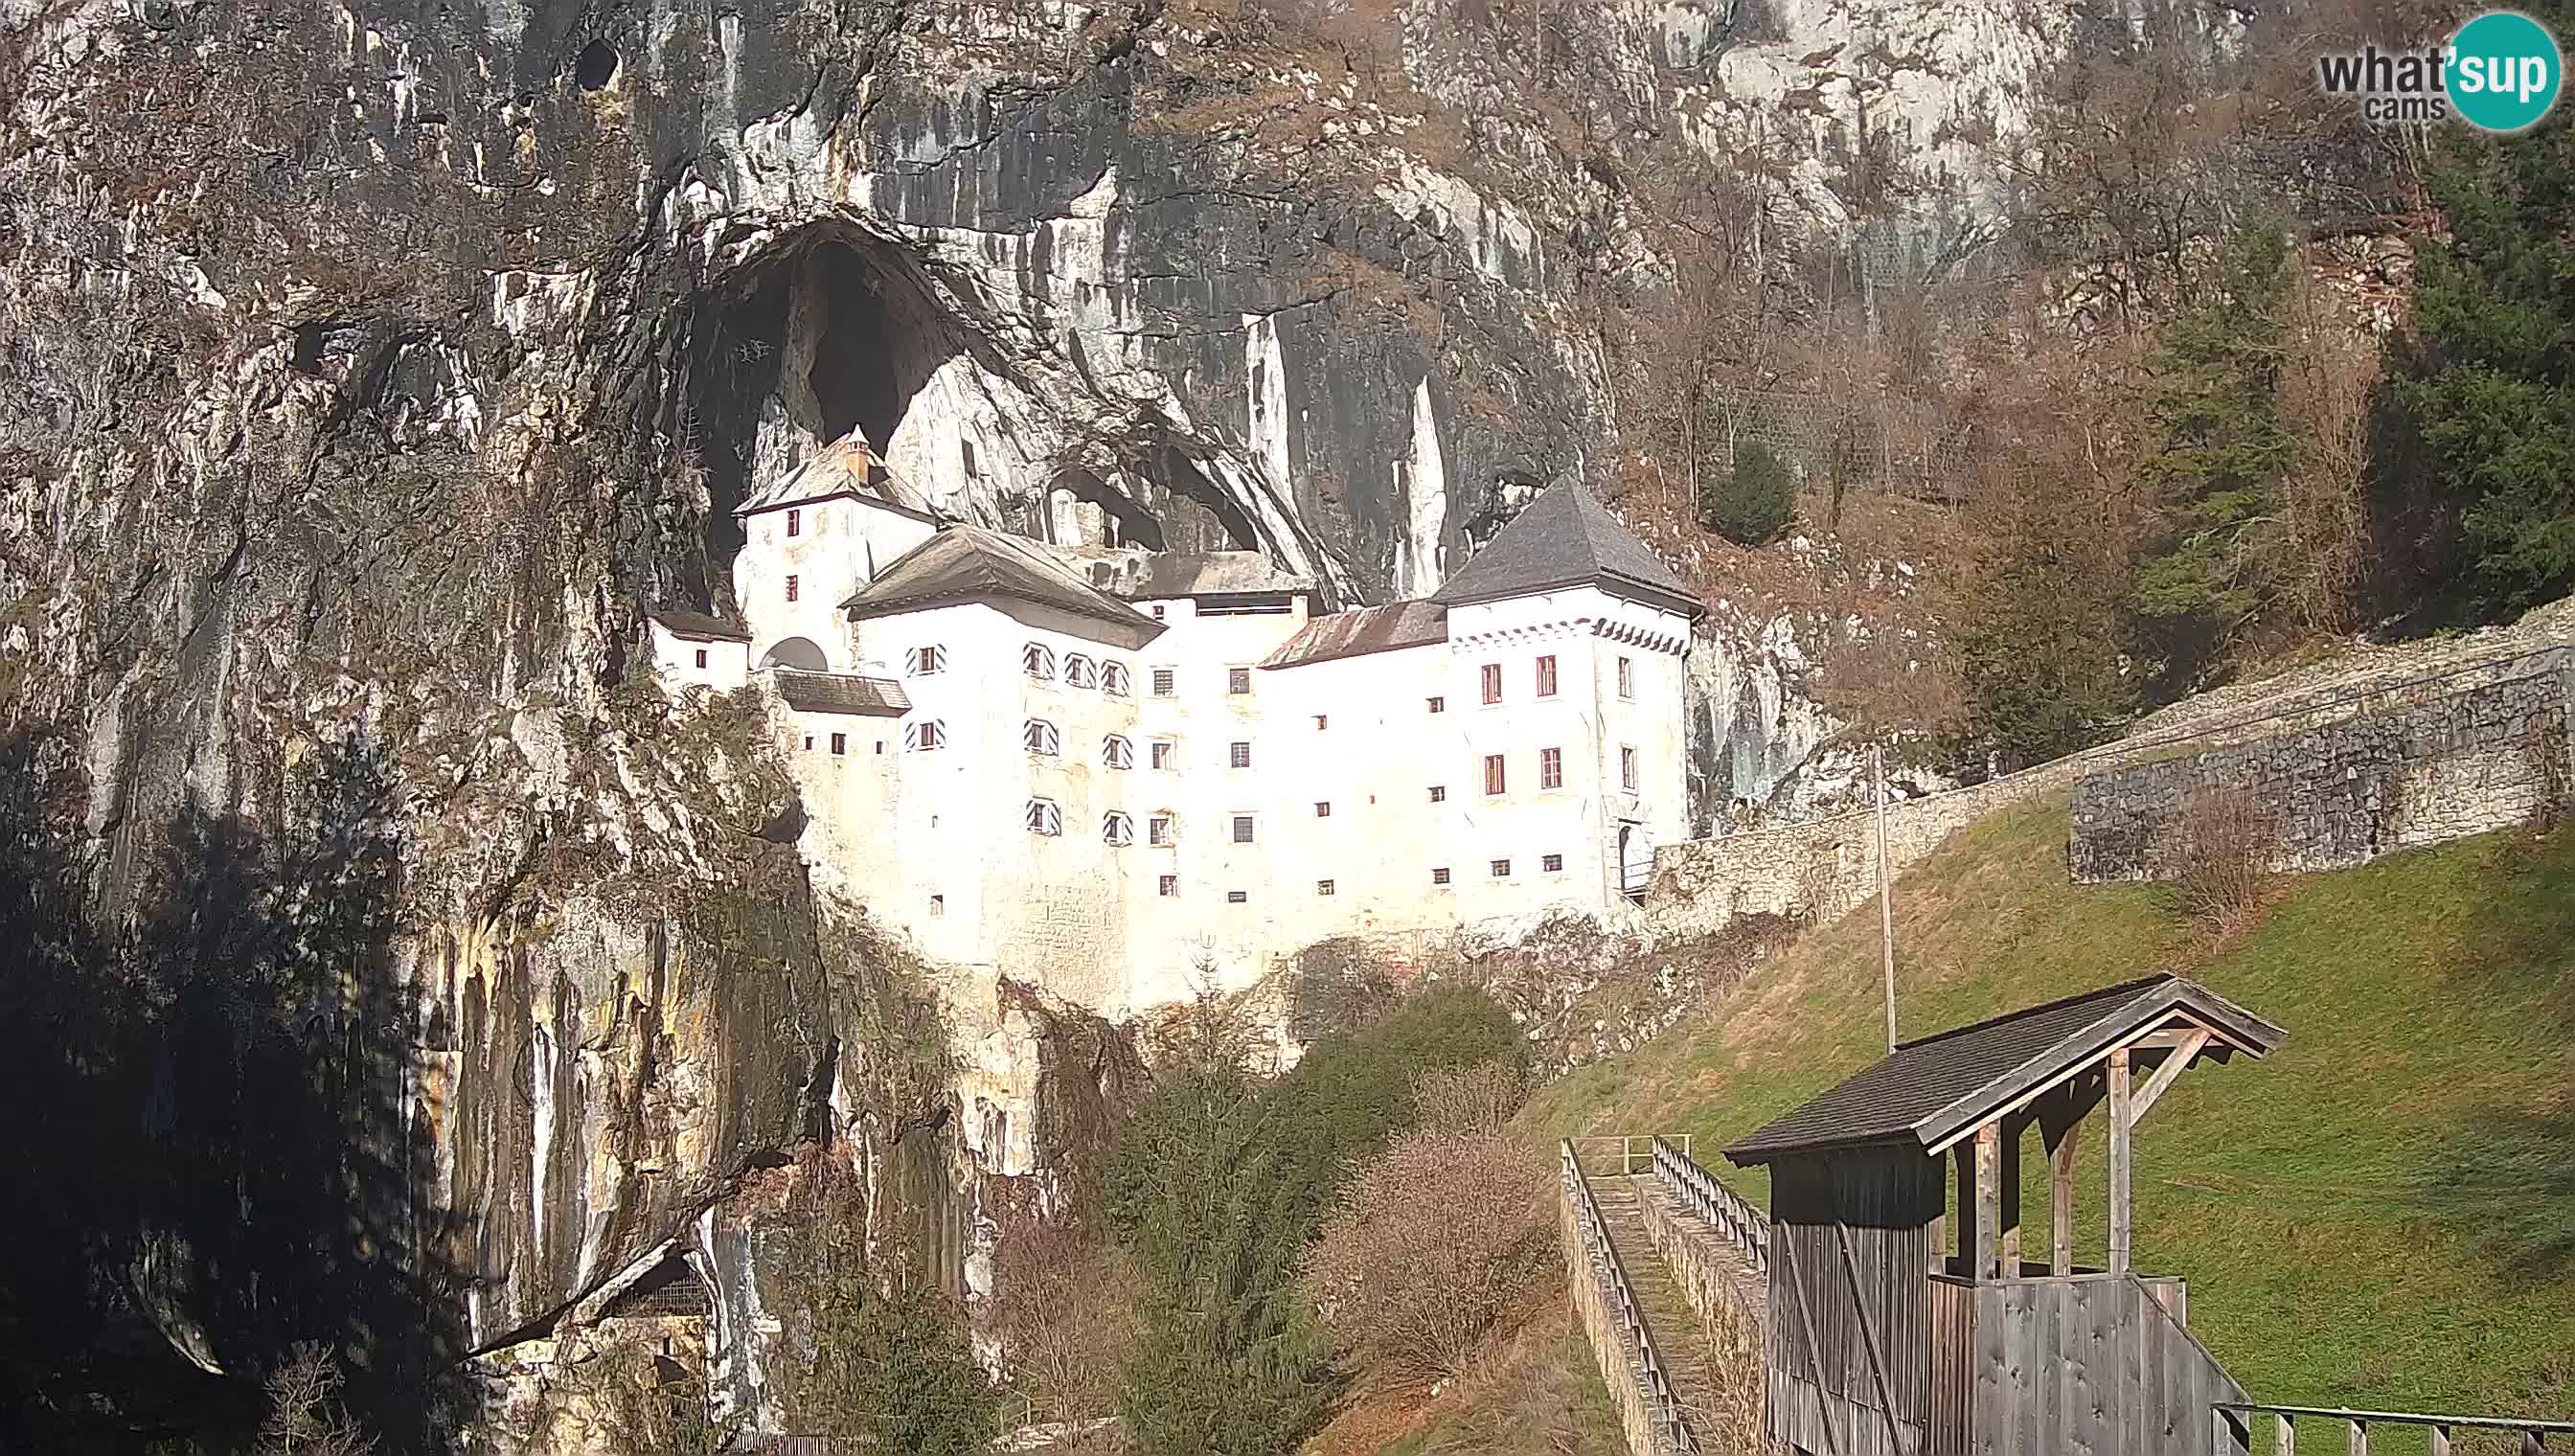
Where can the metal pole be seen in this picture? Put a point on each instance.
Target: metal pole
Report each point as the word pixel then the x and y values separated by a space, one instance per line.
pixel 1885 893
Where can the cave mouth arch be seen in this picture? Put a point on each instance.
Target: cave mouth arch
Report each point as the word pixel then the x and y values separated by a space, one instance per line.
pixel 823 331
pixel 796 653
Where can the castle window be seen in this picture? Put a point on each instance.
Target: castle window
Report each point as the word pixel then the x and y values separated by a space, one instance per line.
pixel 702 657
pixel 1546 676
pixel 791 589
pixel 1493 773
pixel 840 742
pixel 1628 768
pixel 1038 661
pixel 1159 611
pixel 938 907
pixel 1323 810
pixel 1239 755
pixel 809 743
pixel 1502 870
pixel 1040 736
pixel 1114 679
pixel 1492 682
pixel 922 662
pixel 1243 828
pixel 1116 828
pixel 1161 682
pixel 923 736
pixel 1237 681
pixel 1440 876
pixel 1079 673
pixel 1237 896
pixel 1321 720
pixel 1323 887
pixel 1551 768
pixel 1166 753
pixel 796 522
pixel 1439 705
pixel 1167 887
pixel 1116 753
pixel 1627 679
pixel 1161 830
pixel 1552 863
pixel 1043 818
pixel 1438 793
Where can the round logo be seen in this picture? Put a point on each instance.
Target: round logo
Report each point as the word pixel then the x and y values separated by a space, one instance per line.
pixel 2503 71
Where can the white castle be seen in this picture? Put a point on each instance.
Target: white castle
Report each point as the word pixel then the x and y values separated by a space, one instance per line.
pixel 1101 769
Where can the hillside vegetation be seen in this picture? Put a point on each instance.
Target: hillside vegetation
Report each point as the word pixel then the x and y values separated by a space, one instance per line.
pixel 2428 1006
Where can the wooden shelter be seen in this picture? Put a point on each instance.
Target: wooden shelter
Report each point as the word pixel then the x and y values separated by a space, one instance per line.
pixel 1883 1342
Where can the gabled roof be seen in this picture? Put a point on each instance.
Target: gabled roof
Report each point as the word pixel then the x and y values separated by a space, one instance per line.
pixel 1369 630
pixel 699 626
pixel 842 692
pixel 1926 1092
pixel 845 469
pixel 970 564
pixel 1562 539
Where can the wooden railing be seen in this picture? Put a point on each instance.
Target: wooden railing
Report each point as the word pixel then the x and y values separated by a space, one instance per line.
pixel 2356 1424
pixel 1647 1400
pixel 1726 1210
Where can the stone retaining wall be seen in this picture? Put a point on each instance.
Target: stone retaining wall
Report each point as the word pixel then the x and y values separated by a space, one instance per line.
pixel 1820 870
pixel 2493 754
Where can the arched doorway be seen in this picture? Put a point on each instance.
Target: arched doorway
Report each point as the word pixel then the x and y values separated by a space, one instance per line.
pixel 1635 860
pixel 796 653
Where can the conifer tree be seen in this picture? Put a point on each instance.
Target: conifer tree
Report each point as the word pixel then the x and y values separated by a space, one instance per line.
pixel 2223 449
pixel 2492 385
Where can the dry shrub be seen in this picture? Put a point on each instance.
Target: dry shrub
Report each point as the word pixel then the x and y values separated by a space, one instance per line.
pixel 1433 1240
pixel 305 1414
pixel 1477 1098
pixel 1064 1316
pixel 2222 858
pixel 2326 394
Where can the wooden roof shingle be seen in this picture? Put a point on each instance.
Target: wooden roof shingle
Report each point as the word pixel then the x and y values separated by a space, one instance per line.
pixel 1927 1091
pixel 1562 539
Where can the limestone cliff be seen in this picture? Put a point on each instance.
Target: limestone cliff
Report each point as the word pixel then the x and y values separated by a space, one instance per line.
pixel 371 369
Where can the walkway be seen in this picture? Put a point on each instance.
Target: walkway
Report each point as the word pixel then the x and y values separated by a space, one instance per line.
pixel 1691 1253
pixel 1678 1335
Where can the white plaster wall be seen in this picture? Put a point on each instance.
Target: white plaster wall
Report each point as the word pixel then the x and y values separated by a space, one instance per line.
pixel 839 547
pixel 674 661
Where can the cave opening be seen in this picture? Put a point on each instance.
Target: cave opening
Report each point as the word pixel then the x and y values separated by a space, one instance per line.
pixel 856 375
pixel 824 333
pixel 596 66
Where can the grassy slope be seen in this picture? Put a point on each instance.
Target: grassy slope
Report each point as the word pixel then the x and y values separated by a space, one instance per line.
pixel 2419 993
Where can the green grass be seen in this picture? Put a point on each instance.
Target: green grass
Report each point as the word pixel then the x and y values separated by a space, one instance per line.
pixel 2425 996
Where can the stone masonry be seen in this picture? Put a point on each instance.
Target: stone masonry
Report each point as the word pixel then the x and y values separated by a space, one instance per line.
pixel 2387 728
pixel 2486 757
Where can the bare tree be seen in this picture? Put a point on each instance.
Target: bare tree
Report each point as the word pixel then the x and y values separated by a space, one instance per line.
pixel 305 1414
pixel 1434 1239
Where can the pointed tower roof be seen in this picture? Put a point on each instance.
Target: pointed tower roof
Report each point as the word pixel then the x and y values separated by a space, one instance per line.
pixel 970 564
pixel 1562 539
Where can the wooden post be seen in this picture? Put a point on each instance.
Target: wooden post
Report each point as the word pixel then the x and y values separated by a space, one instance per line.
pixel 2288 1436
pixel 1885 894
pixel 1989 1199
pixel 2121 1124
pixel 2359 1443
pixel 2060 1200
pixel 1970 1260
pixel 2009 1253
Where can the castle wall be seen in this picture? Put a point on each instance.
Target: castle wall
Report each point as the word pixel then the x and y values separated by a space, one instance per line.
pixel 2487 757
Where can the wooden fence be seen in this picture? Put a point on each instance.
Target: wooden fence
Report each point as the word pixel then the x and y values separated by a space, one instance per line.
pixel 1726 1210
pixel 1631 1366
pixel 2356 1424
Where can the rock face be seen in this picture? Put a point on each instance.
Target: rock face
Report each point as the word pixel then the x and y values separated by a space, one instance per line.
pixel 372 367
